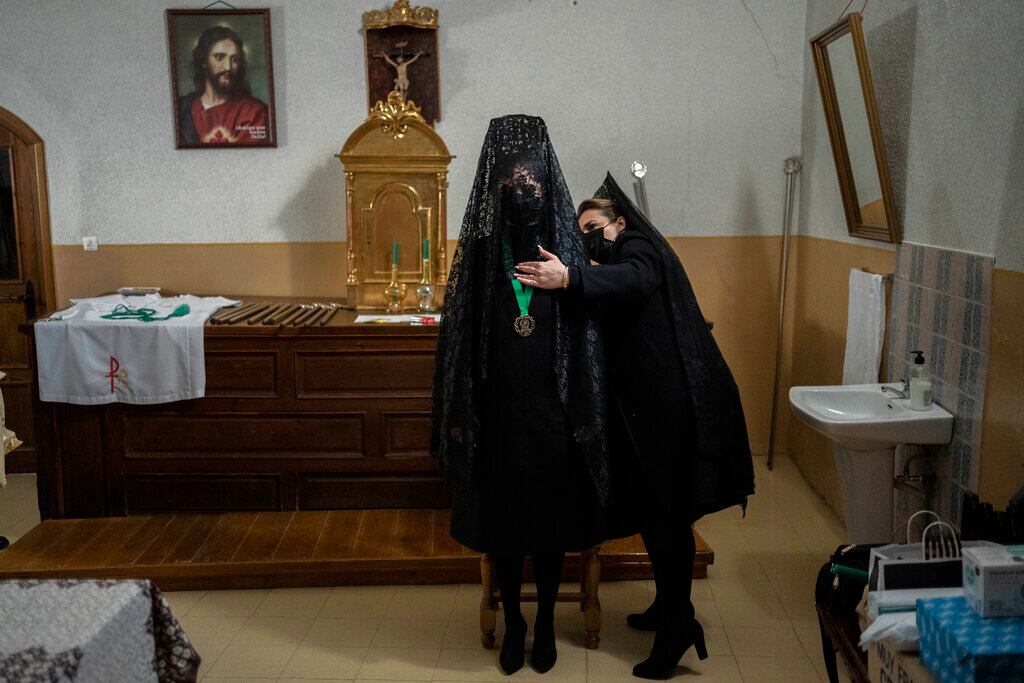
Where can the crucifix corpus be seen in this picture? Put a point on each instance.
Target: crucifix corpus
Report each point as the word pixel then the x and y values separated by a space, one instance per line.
pixel 401 67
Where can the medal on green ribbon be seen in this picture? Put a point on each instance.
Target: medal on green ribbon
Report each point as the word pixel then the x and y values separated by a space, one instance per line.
pixel 524 324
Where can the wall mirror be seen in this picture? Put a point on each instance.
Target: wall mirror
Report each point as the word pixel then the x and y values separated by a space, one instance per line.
pixel 851 113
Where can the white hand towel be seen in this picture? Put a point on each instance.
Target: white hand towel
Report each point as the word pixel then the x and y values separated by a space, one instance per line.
pixel 865 328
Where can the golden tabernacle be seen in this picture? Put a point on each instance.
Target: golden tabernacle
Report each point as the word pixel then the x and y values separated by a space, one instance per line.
pixel 396 170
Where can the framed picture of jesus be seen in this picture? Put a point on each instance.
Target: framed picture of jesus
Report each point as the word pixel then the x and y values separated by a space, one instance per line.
pixel 222 78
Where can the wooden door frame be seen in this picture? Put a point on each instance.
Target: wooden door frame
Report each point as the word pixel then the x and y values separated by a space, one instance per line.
pixel 40 201
pixel 30 176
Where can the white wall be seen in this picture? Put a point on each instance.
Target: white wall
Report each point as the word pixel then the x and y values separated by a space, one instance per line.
pixel 707 92
pixel 949 77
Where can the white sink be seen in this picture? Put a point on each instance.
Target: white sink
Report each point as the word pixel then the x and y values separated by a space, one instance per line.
pixel 861 417
pixel 865 425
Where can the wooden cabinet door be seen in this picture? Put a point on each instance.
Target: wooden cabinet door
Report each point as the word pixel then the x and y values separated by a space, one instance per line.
pixel 25 275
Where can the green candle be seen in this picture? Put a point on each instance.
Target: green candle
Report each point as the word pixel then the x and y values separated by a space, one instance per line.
pixel 426 249
pixel 394 253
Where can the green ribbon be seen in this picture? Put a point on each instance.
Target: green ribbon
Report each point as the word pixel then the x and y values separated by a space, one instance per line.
pixel 523 295
pixel 852 572
pixel 506 257
pixel 146 315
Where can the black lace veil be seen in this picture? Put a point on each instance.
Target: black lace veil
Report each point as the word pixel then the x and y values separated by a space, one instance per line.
pixel 724 468
pixel 517 157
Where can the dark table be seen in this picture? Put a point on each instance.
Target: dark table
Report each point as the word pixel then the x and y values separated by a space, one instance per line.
pixel 294 418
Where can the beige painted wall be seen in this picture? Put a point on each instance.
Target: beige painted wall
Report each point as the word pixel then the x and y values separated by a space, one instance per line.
pixel 736 280
pixel 1002 431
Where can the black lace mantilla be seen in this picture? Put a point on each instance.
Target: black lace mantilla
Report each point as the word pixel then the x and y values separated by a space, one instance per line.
pixel 515 145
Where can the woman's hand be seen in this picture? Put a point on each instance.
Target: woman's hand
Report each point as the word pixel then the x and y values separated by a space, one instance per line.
pixel 547 274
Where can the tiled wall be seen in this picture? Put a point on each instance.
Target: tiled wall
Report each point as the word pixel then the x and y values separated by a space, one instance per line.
pixel 941 304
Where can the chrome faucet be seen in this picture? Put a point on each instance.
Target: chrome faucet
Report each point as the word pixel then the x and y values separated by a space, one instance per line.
pixel 898 393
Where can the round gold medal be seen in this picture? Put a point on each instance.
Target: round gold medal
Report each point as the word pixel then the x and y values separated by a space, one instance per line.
pixel 524 325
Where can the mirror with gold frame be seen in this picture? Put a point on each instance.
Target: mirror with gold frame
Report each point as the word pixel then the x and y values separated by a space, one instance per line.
pixel 851 113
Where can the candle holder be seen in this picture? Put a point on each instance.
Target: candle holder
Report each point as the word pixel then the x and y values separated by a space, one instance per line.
pixel 394 293
pixel 425 290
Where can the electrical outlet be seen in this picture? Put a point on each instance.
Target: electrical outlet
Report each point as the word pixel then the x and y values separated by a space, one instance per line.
pixel 90 243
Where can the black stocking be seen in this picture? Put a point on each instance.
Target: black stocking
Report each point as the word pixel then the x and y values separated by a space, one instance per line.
pixel 509 569
pixel 547 570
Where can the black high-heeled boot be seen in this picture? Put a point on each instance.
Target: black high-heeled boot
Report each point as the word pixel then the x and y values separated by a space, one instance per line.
pixel 513 646
pixel 668 650
pixel 646 620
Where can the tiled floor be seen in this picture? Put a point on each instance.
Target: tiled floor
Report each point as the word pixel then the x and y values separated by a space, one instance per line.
pixel 756 608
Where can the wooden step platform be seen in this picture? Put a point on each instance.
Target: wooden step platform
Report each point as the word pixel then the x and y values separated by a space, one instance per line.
pixel 278 549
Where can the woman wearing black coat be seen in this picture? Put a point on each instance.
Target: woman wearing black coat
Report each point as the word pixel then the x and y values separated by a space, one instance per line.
pixel 678 437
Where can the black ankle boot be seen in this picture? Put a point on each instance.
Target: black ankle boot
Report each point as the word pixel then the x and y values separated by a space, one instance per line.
pixel 544 653
pixel 646 620
pixel 668 649
pixel 513 647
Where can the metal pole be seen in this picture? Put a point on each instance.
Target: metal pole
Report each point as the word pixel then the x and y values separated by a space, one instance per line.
pixel 791 167
pixel 641 196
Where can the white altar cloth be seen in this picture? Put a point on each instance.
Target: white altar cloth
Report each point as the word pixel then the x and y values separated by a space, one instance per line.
pixel 88 360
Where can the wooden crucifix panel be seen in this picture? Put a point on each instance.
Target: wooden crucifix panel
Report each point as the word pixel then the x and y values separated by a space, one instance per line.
pixel 404 58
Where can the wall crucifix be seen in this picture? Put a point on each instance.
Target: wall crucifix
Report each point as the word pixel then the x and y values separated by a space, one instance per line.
pixel 401 56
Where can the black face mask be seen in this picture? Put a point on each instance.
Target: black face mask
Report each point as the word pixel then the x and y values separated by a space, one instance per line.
pixel 523 209
pixel 599 249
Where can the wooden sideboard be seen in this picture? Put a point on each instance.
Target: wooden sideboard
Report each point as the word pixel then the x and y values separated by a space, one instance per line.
pixel 294 418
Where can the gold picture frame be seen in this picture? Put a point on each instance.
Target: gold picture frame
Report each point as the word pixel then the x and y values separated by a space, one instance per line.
pixel 876 219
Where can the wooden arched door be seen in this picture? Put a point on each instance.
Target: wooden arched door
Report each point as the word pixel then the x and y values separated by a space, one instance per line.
pixel 26 272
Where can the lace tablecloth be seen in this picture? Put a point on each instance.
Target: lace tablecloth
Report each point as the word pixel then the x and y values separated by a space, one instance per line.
pixel 85 630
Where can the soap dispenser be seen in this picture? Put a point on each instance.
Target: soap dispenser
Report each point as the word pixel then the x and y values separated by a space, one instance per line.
pixel 920 383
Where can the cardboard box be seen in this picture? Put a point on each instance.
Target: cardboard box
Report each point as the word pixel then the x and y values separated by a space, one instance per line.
pixel 959 645
pixel 886 665
pixel 994 580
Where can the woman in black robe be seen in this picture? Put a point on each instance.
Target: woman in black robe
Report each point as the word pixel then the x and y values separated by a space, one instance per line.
pixel 518 410
pixel 677 426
